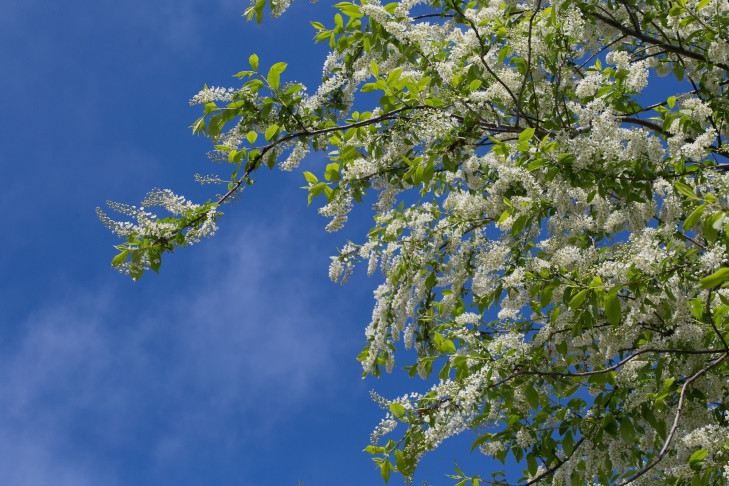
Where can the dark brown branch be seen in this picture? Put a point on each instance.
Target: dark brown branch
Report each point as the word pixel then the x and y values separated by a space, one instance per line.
pixel 652 40
pixel 676 419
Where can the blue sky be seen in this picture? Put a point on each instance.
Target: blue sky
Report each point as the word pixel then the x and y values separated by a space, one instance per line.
pixel 236 365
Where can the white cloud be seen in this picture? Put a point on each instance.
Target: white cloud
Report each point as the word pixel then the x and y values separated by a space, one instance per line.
pixel 182 23
pixel 87 377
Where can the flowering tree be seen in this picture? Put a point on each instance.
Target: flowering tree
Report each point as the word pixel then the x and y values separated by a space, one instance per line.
pixel 552 233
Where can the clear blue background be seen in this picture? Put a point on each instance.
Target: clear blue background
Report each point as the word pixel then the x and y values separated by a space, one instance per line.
pixel 236 365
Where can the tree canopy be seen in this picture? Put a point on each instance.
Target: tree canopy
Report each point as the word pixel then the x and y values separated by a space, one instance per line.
pixel 551 222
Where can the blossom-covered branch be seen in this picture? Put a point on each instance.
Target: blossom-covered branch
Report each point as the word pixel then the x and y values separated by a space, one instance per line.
pixel 551 223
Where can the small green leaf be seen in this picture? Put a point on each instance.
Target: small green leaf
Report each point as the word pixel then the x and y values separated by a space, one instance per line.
pixel 271 131
pixel 568 443
pixel 526 135
pixel 447 346
pixel 385 468
pixel 253 61
pixel 445 371
pixel 310 178
pixel 398 411
pixel 120 258
pixel 274 79
pixel 603 90
pixel 627 431
pixel 504 216
pixel 671 101
pixel 532 396
pixel 251 137
pixel 481 440
pixel 696 461
pixel 578 299
pixel 693 218
pixel 610 426
pixel 136 269
pixel 715 279
pixel 401 463
pixel 317 189
pixel 332 172
pixel 685 189
pixel 518 225
pixel 274 75
pixel 375 69
pixel 612 309
pixel 678 71
pixel 198 126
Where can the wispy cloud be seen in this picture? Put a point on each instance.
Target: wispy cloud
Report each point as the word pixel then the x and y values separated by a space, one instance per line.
pixel 182 23
pixel 218 364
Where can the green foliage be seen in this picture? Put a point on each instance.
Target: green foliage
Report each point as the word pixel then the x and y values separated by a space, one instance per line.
pixel 561 262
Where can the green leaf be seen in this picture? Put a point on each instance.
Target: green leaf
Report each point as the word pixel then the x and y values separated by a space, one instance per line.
pixel 578 299
pixel 404 466
pixel 253 61
pixel 481 440
pixel 518 224
pixel 627 431
pixel 317 189
pixel 504 215
pixel 332 172
pixel 532 396
pixel 678 71
pixel 385 468
pixel 375 69
pixel 251 137
pixel 447 347
pixel 612 309
pixel 310 178
pixel 526 135
pixel 696 461
pixel 715 279
pixel 198 126
pixel 136 269
pixel 398 411
pixel 444 345
pixel 603 90
pixel 693 218
pixel 671 101
pixel 610 426
pixel 685 189
pixel 711 226
pixel 274 75
pixel 120 258
pixel 531 464
pixel 271 131
pixel 445 371
pixel 568 443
